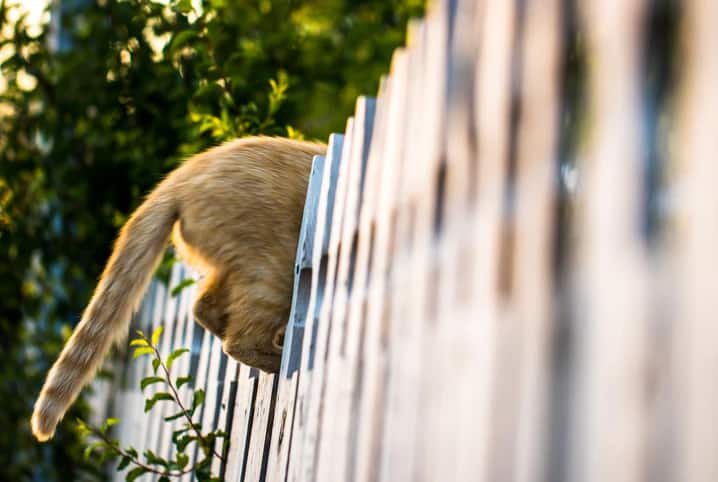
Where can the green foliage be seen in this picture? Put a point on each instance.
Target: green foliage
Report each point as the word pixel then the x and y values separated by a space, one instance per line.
pixel 182 285
pixel 103 447
pixel 86 129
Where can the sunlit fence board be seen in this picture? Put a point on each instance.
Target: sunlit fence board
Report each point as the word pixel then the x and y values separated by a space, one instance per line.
pixel 325 211
pixel 610 322
pixel 532 271
pixel 340 368
pixel 695 322
pixel 294 337
pixel 475 286
pixel 241 424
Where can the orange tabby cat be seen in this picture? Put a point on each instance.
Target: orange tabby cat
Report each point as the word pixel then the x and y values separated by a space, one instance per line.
pixel 234 213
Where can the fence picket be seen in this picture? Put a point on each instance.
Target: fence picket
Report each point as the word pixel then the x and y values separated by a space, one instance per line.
pixel 532 267
pixel 293 340
pixel 611 322
pixel 320 245
pixel 257 456
pixel 124 402
pixel 359 287
pixel 413 288
pixel 242 424
pixel 337 395
pixel 228 389
pixel 387 147
pixel 313 399
pixel 693 254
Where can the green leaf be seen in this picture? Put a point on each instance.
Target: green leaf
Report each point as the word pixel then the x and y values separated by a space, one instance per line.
pixel 145 350
pixel 142 334
pixel 178 432
pixel 156 398
pixel 139 342
pixel 83 428
pixel 164 478
pixel 184 6
pixel 109 423
pixel 134 473
pixel 174 417
pixel 182 285
pixel 174 355
pixel 124 462
pixel 156 335
pixel 154 459
pixel 155 364
pixel 202 470
pixel 149 381
pixel 91 448
pixel 197 399
pixel 182 460
pixel 182 380
pixel 132 452
pixel 183 442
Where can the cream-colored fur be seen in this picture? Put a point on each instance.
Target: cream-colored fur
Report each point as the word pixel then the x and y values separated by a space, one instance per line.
pixel 234 212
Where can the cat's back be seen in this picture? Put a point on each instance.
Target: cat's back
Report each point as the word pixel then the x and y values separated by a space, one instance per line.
pixel 250 165
pixel 246 192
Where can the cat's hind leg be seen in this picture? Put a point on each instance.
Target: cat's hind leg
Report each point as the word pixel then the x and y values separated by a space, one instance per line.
pixel 210 307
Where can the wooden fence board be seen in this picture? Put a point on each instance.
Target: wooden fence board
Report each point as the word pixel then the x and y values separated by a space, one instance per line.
pixel 201 380
pixel 610 320
pixel 213 391
pixel 172 325
pixel 412 277
pixel 491 104
pixel 225 419
pixel 322 387
pixel 694 172
pixel 339 378
pixel 387 148
pixel 319 268
pixel 166 319
pixel 452 331
pixel 181 367
pixel 355 337
pixel 293 340
pixel 182 327
pixel 532 268
pixel 394 237
pixel 242 425
pixel 123 402
pixel 313 399
pixel 257 456
pixel 143 425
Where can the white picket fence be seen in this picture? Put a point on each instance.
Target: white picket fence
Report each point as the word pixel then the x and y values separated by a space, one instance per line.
pixel 432 335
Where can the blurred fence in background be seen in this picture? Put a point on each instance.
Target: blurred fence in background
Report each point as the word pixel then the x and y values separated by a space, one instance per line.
pixel 492 283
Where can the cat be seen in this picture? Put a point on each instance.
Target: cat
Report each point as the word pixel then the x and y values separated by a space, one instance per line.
pixel 234 214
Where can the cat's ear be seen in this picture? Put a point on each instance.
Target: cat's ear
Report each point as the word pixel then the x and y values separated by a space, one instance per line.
pixel 278 339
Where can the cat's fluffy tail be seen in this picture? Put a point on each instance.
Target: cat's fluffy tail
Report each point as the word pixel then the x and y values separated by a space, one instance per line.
pixel 136 254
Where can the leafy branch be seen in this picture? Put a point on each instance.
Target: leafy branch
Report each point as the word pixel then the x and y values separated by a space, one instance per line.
pixel 130 455
pixel 182 438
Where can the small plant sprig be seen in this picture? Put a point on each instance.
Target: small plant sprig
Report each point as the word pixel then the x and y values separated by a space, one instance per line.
pixel 106 447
